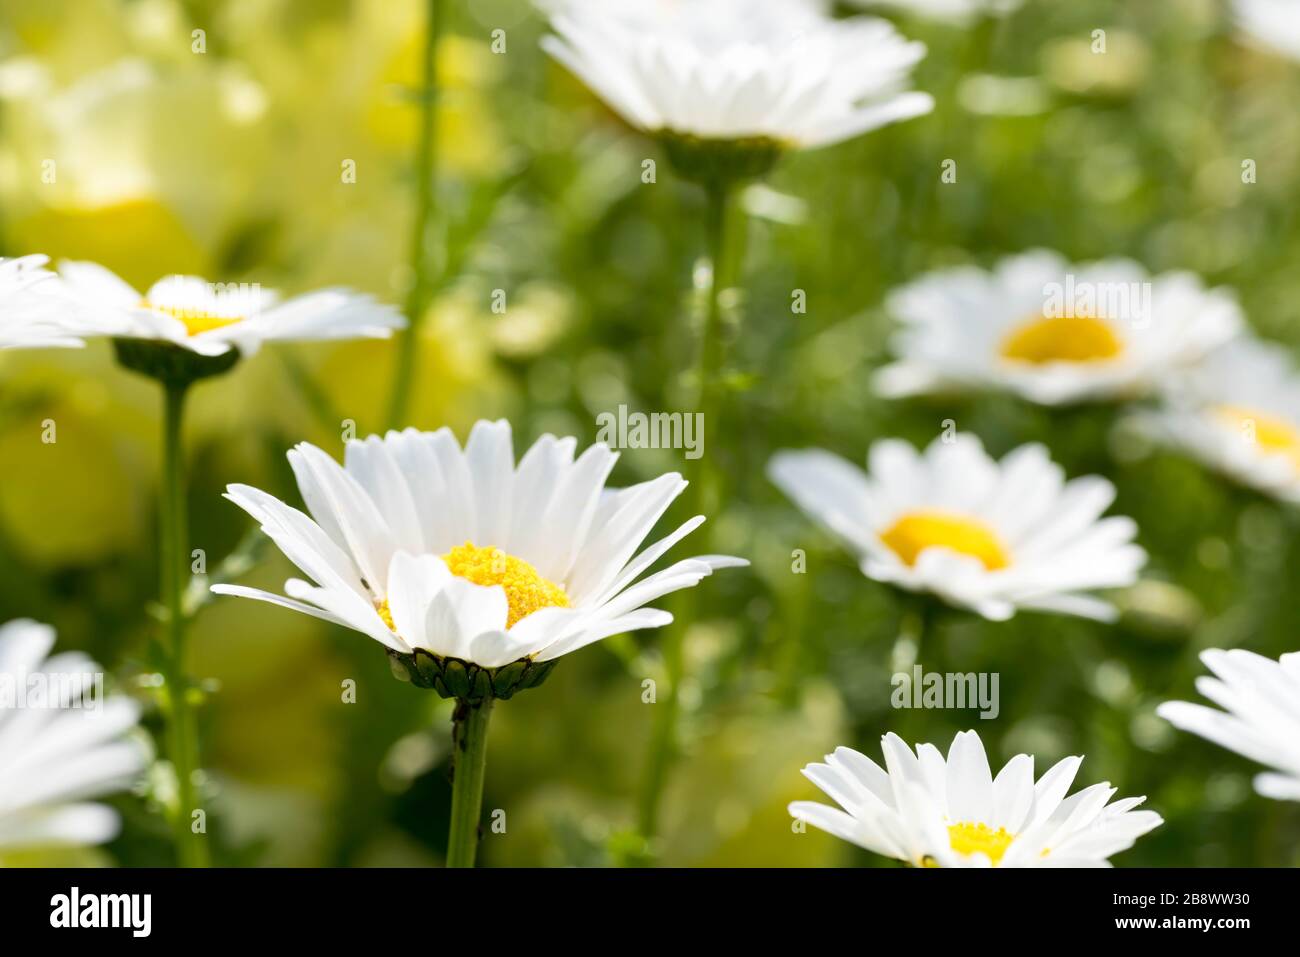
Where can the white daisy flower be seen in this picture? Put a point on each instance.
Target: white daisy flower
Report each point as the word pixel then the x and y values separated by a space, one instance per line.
pixel 930 812
pixel 54 754
pixel 1261 716
pixel 1274 24
pixel 33 313
pixel 782 70
pixel 1239 413
pixel 957 12
pixel 1052 332
pixel 211 319
pixel 462 561
pixel 990 536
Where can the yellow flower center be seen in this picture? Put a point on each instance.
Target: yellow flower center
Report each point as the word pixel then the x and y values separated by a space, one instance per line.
pixel 196 320
pixel 526 590
pixel 1272 434
pixel 914 532
pixel 973 838
pixel 1062 339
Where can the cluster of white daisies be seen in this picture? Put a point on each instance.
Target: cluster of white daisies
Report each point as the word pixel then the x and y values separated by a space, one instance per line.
pixel 1057 333
pixel 996 536
pixel 993 536
pixel 466 553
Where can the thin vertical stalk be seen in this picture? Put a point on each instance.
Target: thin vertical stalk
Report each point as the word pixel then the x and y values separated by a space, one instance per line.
pixel 913 625
pixel 699 499
pixel 469 768
pixel 719 229
pixel 916 618
pixel 182 729
pixel 426 175
pixel 794 599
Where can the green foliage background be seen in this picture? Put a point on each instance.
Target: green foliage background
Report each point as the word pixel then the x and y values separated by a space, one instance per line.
pixel 227 163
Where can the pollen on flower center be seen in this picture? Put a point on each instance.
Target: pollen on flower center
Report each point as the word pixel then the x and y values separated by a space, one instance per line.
pixel 1062 339
pixel 196 320
pixel 1272 434
pixel 916 531
pixel 968 838
pixel 526 590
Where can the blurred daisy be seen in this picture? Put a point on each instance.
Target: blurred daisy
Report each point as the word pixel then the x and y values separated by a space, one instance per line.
pixel 1050 331
pixel 725 70
pixel 59 744
pixel 957 12
pixel 211 319
pixel 930 812
pixel 32 312
pixel 445 554
pixel 1239 413
pixel 1261 716
pixel 990 536
pixel 1274 24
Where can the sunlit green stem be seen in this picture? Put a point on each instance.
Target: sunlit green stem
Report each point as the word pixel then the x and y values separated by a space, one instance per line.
pixel 912 627
pixel 791 631
pixel 699 498
pixel 720 224
pixel 182 729
pixel 916 617
pixel 920 616
pixel 469 768
pixel 426 174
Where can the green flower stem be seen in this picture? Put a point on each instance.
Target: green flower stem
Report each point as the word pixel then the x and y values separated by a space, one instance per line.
pixel 722 225
pixel 795 601
pixel 426 174
pixel 469 768
pixel 663 733
pixel 920 618
pixel 914 626
pixel 182 729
